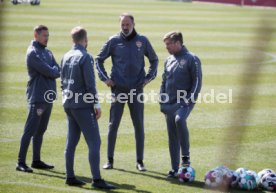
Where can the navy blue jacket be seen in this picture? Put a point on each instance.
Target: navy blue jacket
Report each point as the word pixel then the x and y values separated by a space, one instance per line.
pixel 42 71
pixel 128 62
pixel 182 72
pixel 78 79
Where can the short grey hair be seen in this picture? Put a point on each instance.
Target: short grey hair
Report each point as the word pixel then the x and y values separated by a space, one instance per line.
pixel 126 15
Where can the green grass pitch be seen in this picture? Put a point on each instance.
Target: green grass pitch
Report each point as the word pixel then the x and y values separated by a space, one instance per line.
pixel 222 36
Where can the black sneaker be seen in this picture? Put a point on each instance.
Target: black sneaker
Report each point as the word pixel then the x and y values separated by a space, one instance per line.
pixel 140 166
pixel 41 165
pixel 172 174
pixel 109 164
pixel 22 167
pixel 74 182
pixel 185 161
pixel 100 183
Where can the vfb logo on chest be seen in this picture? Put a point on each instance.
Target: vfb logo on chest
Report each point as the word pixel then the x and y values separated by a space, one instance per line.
pixel 139 45
pixel 182 62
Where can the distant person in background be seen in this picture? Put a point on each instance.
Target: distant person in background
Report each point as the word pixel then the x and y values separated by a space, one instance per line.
pixel 32 2
pixel 181 83
pixel 43 72
pixel 127 50
pixel 81 105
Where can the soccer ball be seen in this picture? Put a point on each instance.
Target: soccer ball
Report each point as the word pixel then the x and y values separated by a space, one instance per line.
pixel 262 173
pixel 235 179
pixel 227 178
pixel 247 180
pixel 253 173
pixel 32 2
pixel 226 175
pixel 186 174
pixel 15 2
pixel 35 2
pixel 223 169
pixel 268 181
pixel 230 179
pixel 213 178
pixel 241 170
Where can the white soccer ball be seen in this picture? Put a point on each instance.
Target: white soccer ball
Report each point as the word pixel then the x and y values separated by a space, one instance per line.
pixel 230 179
pixel 223 169
pixel 262 173
pixel 186 174
pixel 241 170
pixel 235 179
pixel 247 180
pixel 253 173
pixel 15 2
pixel 268 181
pixel 35 2
pixel 213 178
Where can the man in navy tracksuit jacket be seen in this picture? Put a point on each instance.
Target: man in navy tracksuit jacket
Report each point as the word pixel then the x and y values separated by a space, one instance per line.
pixel 80 103
pixel 127 51
pixel 41 92
pixel 180 87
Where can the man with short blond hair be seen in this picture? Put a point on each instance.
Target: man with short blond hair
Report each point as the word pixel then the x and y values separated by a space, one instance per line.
pixel 78 34
pixel 77 82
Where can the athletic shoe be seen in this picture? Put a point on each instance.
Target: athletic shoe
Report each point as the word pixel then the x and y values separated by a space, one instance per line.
pixel 22 167
pixel 100 183
pixel 109 164
pixel 140 166
pixel 172 174
pixel 41 165
pixel 74 182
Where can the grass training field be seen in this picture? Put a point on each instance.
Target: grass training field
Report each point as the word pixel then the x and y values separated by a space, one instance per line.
pixel 224 37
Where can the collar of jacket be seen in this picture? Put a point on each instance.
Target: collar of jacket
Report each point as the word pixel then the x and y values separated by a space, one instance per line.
pixel 78 47
pixel 183 51
pixel 37 44
pixel 130 37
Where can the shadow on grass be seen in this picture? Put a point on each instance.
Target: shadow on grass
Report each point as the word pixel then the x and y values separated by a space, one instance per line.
pixel 119 186
pixel 50 173
pixel 163 177
pixel 88 181
pixel 148 173
pixel 196 184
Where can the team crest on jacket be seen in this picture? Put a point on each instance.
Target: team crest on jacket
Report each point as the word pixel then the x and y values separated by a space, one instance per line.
pixel 182 63
pixel 39 112
pixel 139 44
